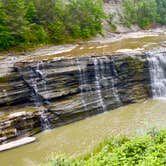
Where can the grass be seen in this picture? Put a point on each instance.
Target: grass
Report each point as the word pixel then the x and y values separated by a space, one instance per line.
pixel 148 150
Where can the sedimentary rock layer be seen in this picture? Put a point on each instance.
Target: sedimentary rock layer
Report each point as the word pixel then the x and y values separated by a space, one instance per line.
pixel 49 93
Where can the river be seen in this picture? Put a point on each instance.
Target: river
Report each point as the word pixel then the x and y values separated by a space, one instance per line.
pixel 81 137
pixel 78 138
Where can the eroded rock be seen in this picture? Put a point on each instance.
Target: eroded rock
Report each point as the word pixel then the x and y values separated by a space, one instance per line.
pixel 63 90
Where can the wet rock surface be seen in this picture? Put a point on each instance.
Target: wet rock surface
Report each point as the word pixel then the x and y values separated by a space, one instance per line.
pixel 49 93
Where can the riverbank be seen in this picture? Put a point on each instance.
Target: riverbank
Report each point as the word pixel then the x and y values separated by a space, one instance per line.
pixel 141 151
pixel 138 33
pixel 97 45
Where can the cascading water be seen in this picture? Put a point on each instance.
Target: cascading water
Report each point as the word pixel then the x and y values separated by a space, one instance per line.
pixel 157 67
pixel 82 80
pixel 98 75
pixel 44 119
pixel 106 80
pixel 36 81
pixel 97 83
pixel 112 82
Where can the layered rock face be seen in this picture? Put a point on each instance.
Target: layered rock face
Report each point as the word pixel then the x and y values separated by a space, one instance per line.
pixel 49 93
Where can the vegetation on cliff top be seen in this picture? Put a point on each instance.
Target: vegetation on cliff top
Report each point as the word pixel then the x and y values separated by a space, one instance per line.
pixel 149 150
pixel 31 22
pixel 27 23
pixel 145 13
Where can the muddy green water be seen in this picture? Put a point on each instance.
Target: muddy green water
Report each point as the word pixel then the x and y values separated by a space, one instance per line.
pixel 81 137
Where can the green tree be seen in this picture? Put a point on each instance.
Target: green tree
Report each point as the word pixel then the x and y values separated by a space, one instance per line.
pixel 130 12
pixel 16 22
pixel 5 35
pixel 57 31
pixel 161 9
pixel 141 12
pixel 34 34
pixel 31 12
pixel 84 17
pixel 31 22
pixel 146 13
pixel 45 11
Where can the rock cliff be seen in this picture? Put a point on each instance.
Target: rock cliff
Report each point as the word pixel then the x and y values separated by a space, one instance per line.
pixel 48 93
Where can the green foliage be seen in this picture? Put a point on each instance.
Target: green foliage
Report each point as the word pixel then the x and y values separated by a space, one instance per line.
pixel 84 24
pixel 15 12
pixel 45 11
pixel 5 36
pixel 57 31
pixel 161 9
pixel 32 22
pixel 31 12
pixel 130 12
pixel 144 12
pixel 6 39
pixel 149 150
pixel 34 34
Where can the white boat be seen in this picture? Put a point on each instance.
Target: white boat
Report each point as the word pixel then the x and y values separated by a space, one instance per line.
pixel 17 143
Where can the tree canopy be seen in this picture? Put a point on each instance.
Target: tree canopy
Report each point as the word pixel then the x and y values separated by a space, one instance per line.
pixel 144 12
pixel 28 23
pixel 31 22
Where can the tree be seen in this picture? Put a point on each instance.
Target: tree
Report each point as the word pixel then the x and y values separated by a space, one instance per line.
pixel 15 11
pixel 84 17
pixel 5 35
pixel 16 22
pixel 147 13
pixel 161 9
pixel 45 11
pixel 30 22
pixel 130 12
pixel 141 12
pixel 31 12
pixel 34 34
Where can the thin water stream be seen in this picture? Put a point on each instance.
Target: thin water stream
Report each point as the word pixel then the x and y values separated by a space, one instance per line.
pixel 81 137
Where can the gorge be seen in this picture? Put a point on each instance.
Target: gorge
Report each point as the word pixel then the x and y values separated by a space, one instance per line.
pixel 44 92
pixel 82 82
pixel 57 92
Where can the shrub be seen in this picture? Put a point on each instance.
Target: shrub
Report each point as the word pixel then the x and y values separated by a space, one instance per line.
pixel 149 150
pixel 144 12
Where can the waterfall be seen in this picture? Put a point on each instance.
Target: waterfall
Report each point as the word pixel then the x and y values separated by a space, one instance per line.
pixel 36 81
pixel 97 83
pixel 112 83
pixel 105 81
pixel 82 81
pixel 98 66
pixel 90 94
pixel 44 118
pixel 157 67
pixel 42 75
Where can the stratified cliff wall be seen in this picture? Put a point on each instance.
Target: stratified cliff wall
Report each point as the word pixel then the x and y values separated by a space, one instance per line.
pixel 48 93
